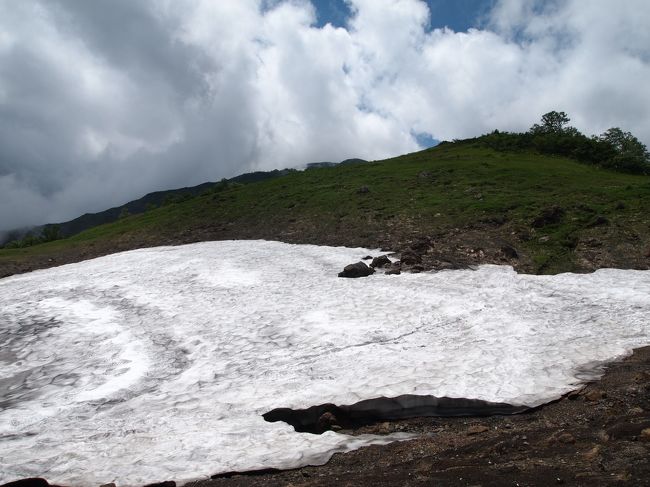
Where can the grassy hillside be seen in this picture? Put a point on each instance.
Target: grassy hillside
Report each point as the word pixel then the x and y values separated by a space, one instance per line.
pixel 469 203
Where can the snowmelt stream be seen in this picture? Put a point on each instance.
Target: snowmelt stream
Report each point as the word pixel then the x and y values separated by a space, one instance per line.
pixel 158 363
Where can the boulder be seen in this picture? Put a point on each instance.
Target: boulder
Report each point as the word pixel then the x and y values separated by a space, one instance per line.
pixel 379 262
pixel 360 269
pixel 421 245
pixel 477 429
pixel 509 252
pixel 327 421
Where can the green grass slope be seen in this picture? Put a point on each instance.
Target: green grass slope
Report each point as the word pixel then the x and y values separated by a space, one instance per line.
pixel 465 200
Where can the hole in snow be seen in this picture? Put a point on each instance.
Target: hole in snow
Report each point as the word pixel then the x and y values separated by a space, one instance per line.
pixel 318 419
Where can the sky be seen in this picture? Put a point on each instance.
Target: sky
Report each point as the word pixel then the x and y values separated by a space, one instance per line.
pixel 102 102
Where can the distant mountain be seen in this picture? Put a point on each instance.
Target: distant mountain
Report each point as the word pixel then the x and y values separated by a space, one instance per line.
pixel 148 201
pixel 319 165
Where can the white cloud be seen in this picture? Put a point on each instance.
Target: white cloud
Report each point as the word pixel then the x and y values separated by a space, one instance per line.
pixel 102 102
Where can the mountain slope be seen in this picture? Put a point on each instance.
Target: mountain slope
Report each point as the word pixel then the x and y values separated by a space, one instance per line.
pixel 140 205
pixel 459 203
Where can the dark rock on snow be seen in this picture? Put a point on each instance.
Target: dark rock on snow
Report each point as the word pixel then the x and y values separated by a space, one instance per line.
pixel 381 261
pixel 360 269
pixel 327 421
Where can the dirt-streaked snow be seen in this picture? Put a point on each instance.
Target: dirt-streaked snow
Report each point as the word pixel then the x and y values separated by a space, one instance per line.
pixel 157 364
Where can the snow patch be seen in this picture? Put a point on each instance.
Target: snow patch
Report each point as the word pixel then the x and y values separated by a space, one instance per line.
pixel 158 363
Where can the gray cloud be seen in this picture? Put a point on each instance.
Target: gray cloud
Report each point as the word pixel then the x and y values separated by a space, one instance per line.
pixel 103 101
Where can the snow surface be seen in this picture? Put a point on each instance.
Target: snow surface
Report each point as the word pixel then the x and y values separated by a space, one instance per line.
pixel 157 364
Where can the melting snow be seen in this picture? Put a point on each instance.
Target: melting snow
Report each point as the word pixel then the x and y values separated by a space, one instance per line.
pixel 158 364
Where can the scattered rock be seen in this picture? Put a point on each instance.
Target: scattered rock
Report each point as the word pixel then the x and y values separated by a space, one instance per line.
pixel 595 395
pixel 363 190
pixel 509 252
pixel 421 246
pixel 409 257
pixel 549 216
pixel 477 429
pixel 393 272
pixel 424 174
pixel 327 421
pixel 603 436
pixel 628 431
pixel 573 395
pixel 360 269
pixel 642 376
pixel 593 454
pixel 383 428
pixel 645 434
pixel 367 257
pixel 379 262
pixel 166 483
pixel 110 484
pixel 566 438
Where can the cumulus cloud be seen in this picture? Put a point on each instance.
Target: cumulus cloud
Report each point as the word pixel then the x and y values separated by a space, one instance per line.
pixel 103 101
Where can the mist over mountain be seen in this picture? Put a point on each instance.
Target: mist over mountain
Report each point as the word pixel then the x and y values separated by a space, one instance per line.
pixel 105 101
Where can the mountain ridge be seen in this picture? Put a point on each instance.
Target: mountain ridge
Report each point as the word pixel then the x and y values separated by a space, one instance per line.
pixel 148 201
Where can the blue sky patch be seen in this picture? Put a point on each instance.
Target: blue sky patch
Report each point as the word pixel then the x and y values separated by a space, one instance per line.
pixel 458 15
